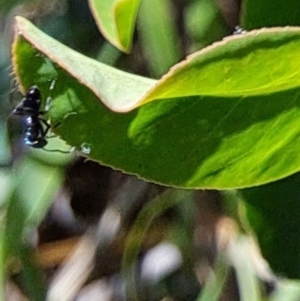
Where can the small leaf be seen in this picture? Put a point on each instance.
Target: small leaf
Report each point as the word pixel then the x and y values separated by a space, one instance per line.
pixel 116 20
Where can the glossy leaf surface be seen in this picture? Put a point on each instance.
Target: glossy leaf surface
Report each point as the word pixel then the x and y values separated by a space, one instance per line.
pixel 226 117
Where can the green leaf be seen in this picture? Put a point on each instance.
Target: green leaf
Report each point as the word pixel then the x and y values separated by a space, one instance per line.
pixel 239 66
pixel 203 23
pixel 116 20
pixel 273 213
pixel 118 90
pixel 37 185
pixel 158 36
pixel 35 188
pixel 226 117
pixel 270 13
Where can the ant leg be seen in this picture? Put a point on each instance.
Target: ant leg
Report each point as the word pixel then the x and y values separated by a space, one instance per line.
pixel 58 124
pixel 52 136
pixel 47 125
pixel 44 133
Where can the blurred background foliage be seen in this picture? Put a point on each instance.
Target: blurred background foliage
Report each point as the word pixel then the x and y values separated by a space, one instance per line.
pixel 57 239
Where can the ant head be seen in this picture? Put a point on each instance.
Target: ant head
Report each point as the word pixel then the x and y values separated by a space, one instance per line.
pixel 30 104
pixel 32 97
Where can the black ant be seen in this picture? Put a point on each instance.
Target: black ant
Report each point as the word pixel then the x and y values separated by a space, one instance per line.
pixel 35 134
pixel 37 127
